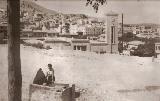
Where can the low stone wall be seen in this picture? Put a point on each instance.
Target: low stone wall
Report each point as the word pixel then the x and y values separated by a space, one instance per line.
pixel 106 48
pixel 59 92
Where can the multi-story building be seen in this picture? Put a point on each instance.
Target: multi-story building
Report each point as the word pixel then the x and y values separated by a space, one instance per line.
pixel 97 23
pixel 81 29
pixel 77 29
pixel 74 29
pixel 94 30
pixel 109 44
pixel 38 16
pixel 86 30
pixel 141 30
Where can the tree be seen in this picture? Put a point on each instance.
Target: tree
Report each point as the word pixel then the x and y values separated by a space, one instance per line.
pixel 14 63
pixel 127 37
pixel 96 3
pixel 67 27
pixel 148 49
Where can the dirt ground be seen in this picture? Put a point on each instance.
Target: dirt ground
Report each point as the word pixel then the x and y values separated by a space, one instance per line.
pixel 99 77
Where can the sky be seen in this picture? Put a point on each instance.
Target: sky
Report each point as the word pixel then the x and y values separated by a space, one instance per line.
pixel 146 11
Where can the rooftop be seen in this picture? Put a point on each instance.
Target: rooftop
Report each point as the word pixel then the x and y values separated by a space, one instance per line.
pixel 80 41
pixel 135 42
pixel 98 42
pixel 111 13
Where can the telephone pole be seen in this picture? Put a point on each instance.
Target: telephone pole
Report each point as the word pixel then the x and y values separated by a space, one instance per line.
pixel 122 33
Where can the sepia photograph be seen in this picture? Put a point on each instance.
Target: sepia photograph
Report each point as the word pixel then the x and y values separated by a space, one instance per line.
pixel 79 50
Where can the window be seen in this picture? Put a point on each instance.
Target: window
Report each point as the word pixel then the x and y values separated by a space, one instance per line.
pixel 78 48
pixel 83 48
pixel 74 47
pixel 158 47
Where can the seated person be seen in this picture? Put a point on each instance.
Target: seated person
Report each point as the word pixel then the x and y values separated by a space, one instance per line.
pixel 39 78
pixel 50 78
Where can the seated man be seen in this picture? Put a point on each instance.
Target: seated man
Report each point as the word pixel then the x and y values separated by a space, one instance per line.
pixel 50 78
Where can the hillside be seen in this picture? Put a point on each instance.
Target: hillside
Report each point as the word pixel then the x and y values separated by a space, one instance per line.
pixel 29 4
pixel 36 7
pixel 31 7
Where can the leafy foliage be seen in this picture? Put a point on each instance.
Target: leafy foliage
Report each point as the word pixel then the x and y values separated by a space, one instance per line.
pixel 127 37
pixel 96 3
pixel 148 49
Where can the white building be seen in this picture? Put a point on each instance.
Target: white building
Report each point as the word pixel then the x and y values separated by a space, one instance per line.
pixel 82 29
pixel 157 48
pixel 134 44
pixel 73 29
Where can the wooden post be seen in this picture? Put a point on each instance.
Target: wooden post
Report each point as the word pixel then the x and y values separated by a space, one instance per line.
pixel 14 63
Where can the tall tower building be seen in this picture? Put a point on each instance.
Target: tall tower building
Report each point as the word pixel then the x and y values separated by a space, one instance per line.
pixel 111 33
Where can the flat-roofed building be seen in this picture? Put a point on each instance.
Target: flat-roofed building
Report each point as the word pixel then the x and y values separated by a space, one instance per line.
pixel 92 30
pixel 109 45
pixel 99 47
pixel 80 44
pixel 157 48
pixel 26 33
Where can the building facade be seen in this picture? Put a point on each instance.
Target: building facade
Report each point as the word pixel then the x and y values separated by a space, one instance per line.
pixel 93 30
pixel 110 45
pixel 112 32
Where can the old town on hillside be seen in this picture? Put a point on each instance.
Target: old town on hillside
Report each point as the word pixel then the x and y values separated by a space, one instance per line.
pixel 82 32
pixel 63 50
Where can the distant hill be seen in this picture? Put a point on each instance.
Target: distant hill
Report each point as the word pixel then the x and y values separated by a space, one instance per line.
pixel 37 7
pixel 143 24
pixel 30 7
pixel 149 24
pixel 29 4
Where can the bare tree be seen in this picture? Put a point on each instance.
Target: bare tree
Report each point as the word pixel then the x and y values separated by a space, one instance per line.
pixel 14 62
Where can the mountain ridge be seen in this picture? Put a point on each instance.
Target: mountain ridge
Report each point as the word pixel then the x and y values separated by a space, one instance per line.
pixel 38 7
pixel 29 3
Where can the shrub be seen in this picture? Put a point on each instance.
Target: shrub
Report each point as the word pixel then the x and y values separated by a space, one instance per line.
pixel 48 47
pixel 146 50
pixel 39 45
pixel 36 45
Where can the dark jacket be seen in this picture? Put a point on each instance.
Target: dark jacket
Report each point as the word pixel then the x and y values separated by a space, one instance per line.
pixel 39 78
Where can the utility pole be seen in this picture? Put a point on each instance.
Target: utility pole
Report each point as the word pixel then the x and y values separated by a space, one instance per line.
pixel 112 39
pixel 14 62
pixel 122 33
